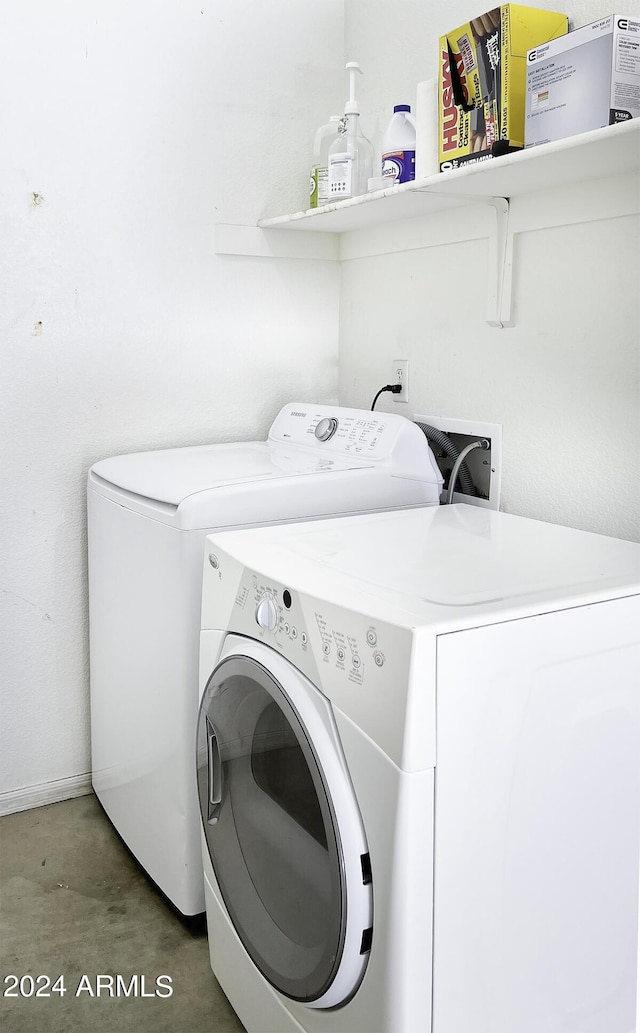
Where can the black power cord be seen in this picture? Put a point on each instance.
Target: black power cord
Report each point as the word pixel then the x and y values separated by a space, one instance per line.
pixel 460 469
pixel 394 388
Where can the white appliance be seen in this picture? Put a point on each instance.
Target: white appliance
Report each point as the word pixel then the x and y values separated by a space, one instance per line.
pixel 419 774
pixel 148 515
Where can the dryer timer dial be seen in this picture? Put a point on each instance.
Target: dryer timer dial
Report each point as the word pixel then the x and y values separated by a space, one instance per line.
pixel 267 613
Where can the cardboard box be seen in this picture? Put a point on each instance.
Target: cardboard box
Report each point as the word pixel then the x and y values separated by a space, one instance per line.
pixel 588 79
pixel 482 81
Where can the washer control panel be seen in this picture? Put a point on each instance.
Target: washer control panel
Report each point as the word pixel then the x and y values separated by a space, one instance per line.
pixel 352 432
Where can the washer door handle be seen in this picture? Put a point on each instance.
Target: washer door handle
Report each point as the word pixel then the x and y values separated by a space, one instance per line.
pixel 214 774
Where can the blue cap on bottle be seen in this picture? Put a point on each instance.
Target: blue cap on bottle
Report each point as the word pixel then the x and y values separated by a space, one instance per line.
pixel 401 107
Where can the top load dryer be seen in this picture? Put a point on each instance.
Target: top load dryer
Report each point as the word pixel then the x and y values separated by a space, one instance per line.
pixel 148 515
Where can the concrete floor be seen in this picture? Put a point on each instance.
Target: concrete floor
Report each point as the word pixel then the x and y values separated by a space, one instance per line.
pixel 75 904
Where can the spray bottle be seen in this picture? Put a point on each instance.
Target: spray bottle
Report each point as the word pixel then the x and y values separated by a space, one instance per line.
pixel 351 155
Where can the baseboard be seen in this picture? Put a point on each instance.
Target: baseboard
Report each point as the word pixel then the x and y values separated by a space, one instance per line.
pixel 45 793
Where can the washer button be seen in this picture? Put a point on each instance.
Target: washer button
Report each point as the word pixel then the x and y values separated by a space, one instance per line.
pixel 378 659
pixel 356 661
pixel 372 638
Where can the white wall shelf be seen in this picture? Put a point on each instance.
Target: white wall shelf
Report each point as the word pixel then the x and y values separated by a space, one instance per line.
pixel 596 155
pixel 596 160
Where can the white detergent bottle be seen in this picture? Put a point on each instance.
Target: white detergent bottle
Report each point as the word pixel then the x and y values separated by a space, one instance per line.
pixel 399 147
pixel 319 181
pixel 351 155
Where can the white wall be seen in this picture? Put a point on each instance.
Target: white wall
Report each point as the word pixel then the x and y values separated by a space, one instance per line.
pixel 133 127
pixel 564 381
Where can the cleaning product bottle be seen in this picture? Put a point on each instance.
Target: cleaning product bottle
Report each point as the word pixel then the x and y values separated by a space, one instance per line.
pixel 399 147
pixel 319 183
pixel 351 155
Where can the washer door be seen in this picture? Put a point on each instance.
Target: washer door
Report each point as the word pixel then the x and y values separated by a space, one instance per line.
pixel 282 825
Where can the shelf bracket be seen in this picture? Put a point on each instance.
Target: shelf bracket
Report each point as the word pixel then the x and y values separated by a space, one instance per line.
pixel 500 265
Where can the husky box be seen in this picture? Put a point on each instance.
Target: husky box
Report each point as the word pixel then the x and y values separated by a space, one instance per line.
pixel 482 81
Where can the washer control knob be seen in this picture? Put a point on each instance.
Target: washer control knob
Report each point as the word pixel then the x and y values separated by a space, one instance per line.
pixel 326 428
pixel 267 613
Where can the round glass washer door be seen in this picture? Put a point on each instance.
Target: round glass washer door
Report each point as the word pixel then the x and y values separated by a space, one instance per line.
pixel 282 825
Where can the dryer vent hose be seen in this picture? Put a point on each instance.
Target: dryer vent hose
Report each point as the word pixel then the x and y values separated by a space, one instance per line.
pixel 438 437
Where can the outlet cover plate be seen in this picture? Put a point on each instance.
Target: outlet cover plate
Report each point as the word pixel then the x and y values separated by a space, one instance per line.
pixel 400 375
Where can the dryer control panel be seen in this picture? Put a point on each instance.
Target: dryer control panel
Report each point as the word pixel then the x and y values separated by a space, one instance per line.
pixel 308 636
pixel 358 662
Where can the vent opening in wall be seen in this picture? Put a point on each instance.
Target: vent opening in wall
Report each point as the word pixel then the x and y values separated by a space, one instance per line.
pixel 480 485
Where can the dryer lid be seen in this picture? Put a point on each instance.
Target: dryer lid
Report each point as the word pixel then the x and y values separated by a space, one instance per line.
pixel 173 474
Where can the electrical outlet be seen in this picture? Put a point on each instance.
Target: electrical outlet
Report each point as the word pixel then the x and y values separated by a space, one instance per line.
pixel 400 375
pixel 485 467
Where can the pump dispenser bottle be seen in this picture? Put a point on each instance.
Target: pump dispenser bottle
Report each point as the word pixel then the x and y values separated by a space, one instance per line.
pixel 351 155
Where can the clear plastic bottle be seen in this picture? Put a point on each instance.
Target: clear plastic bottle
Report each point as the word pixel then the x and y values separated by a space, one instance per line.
pixel 351 155
pixel 319 182
pixel 399 147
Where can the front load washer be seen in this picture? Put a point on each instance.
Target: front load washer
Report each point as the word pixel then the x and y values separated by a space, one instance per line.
pixel 148 515
pixel 418 761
